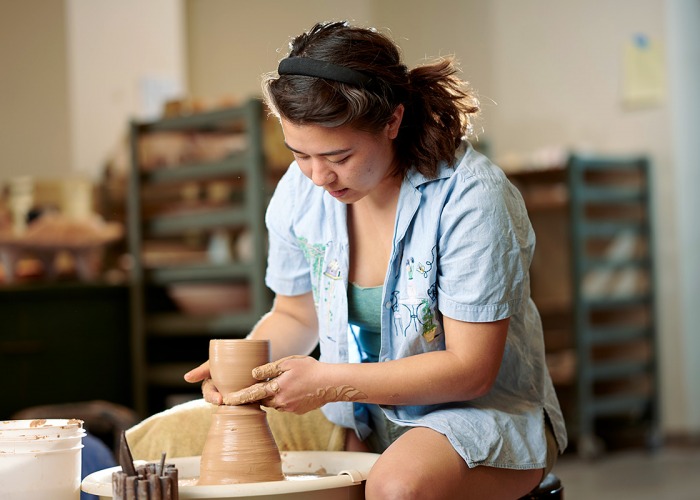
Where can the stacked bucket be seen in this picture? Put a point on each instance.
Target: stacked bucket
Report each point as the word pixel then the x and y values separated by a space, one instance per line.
pixel 40 459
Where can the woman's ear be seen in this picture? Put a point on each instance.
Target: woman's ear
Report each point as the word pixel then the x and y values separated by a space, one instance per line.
pixel 394 123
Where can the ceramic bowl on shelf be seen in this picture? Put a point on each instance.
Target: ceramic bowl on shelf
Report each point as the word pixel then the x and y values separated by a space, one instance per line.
pixel 210 298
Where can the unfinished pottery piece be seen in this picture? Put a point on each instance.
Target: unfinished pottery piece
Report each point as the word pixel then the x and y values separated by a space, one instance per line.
pixel 240 447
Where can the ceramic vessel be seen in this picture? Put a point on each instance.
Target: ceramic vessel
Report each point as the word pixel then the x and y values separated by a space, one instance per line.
pixel 240 447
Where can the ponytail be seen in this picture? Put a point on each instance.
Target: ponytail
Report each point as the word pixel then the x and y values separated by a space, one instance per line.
pixel 438 114
pixel 328 89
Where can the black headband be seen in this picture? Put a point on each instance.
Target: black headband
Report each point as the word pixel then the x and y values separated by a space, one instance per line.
pixel 306 66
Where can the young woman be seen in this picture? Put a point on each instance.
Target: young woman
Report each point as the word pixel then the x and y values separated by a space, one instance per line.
pixel 405 254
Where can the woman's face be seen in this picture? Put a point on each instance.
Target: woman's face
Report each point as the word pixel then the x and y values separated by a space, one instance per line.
pixel 348 163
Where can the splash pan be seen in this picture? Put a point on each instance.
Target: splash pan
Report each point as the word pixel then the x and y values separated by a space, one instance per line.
pixel 310 475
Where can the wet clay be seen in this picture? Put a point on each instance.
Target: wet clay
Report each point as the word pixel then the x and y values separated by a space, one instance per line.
pixel 265 391
pixel 240 447
pixel 330 395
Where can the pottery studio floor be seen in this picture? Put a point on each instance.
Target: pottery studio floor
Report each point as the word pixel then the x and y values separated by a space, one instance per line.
pixel 671 473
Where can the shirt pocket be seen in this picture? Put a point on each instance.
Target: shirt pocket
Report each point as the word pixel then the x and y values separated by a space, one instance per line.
pixel 416 326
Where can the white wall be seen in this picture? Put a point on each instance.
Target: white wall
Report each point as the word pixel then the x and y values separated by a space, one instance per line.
pixel 684 57
pixel 34 132
pixel 232 43
pixel 112 47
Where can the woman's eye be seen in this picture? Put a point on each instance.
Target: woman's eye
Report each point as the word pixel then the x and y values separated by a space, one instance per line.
pixel 339 162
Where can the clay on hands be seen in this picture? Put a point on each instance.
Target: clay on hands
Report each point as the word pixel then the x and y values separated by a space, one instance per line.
pixel 265 391
pixel 211 393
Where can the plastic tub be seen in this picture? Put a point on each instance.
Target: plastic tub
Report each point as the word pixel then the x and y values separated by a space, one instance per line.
pixel 312 475
pixel 41 475
pixel 40 428
pixel 32 445
pixel 40 459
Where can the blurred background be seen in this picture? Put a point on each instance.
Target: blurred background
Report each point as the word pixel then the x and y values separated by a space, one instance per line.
pixel 112 283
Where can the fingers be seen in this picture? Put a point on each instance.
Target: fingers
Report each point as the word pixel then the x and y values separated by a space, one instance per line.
pixel 257 392
pixel 198 374
pixel 272 370
pixel 211 395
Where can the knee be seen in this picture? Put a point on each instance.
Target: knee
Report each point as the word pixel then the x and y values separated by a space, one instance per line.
pixel 392 487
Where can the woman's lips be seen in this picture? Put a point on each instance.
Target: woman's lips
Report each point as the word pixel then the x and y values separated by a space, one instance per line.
pixel 338 194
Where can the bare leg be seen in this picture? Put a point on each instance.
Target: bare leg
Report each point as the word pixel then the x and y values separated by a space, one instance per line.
pixel 422 464
pixel 353 443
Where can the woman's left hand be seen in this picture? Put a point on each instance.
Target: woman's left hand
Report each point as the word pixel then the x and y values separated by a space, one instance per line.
pixel 292 384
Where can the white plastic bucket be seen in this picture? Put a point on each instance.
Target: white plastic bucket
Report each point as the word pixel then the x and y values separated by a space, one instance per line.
pixel 48 428
pixel 39 445
pixel 40 462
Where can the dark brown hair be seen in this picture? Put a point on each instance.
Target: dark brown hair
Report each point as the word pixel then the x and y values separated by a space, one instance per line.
pixel 438 105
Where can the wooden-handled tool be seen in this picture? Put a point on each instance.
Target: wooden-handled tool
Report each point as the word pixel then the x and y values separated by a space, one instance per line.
pixel 152 481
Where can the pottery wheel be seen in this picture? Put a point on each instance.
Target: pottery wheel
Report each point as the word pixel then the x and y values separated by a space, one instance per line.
pixel 321 472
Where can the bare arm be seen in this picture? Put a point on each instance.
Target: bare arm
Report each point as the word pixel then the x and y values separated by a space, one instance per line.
pixel 465 370
pixel 291 326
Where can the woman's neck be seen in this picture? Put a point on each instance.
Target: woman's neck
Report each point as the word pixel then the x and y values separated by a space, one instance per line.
pixel 371 223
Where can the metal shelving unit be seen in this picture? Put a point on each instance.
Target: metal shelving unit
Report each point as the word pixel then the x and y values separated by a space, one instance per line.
pixel 166 342
pixel 592 279
pixel 613 297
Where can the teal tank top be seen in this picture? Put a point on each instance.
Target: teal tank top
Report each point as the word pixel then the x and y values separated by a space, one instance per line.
pixel 364 315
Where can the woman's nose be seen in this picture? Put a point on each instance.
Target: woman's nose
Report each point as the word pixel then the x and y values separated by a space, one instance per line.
pixel 321 175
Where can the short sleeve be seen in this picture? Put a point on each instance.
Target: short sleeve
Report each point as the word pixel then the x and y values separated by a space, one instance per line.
pixel 486 243
pixel 287 268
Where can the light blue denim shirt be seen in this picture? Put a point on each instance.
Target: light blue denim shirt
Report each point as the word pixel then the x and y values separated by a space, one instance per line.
pixel 462 248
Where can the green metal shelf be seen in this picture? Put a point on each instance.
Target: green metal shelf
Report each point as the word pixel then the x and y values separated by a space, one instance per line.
pixel 209 120
pixel 613 264
pixel 618 369
pixel 175 324
pixel 615 195
pixel 619 405
pixel 608 229
pixel 617 334
pixel 609 183
pixel 153 323
pixel 615 301
pixel 233 165
pixel 168 225
pixel 234 271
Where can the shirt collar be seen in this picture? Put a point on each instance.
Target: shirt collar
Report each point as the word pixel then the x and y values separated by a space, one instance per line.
pixel 444 171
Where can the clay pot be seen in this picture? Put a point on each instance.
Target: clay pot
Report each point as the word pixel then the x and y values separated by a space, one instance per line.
pixel 240 447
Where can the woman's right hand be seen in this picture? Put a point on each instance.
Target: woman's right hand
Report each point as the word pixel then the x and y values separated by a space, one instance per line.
pixel 209 391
